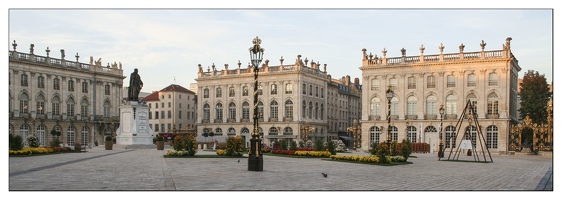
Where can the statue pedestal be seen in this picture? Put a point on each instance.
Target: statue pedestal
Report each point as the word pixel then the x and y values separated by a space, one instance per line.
pixel 134 129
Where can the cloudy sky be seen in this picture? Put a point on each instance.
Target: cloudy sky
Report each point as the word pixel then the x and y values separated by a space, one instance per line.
pixel 166 45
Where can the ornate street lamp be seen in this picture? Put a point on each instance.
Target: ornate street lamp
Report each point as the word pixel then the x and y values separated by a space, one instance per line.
pixel 255 157
pixel 355 129
pixel 389 95
pixel 441 150
pixel 306 129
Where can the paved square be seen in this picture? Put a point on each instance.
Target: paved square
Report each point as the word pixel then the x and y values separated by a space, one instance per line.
pixel 146 169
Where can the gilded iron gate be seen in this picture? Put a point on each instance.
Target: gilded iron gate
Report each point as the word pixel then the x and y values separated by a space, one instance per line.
pixel 542 134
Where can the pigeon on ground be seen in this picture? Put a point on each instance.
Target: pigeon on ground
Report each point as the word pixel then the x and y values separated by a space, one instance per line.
pixel 325 175
pixel 238 160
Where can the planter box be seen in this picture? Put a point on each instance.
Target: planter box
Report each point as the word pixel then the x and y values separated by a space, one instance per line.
pixel 159 145
pixel 108 145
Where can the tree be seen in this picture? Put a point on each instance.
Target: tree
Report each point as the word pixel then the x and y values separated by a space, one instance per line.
pixel 535 94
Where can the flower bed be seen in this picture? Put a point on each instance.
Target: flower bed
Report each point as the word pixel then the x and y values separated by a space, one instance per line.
pixel 368 159
pixel 313 153
pixel 172 152
pixel 39 150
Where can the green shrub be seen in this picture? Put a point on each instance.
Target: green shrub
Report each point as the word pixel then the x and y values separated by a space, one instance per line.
pixel 381 152
pixel 190 144
pixel 318 145
pixel 178 143
pixel 33 141
pixel 406 148
pixel 283 144
pixel 16 142
pixel 234 146
pixel 108 138
pixel 394 148
pixel 293 145
pixel 55 143
pixel 331 147
pixel 373 149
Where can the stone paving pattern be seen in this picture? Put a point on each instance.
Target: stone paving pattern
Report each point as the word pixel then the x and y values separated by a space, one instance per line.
pixel 123 169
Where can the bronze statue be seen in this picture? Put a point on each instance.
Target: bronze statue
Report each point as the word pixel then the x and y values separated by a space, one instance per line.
pixel 135 85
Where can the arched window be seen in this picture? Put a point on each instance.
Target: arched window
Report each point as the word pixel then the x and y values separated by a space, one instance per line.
pixel 431 105
pixel 316 110
pixel 231 131
pixel 218 131
pixel 289 109
pixel 245 131
pixel 288 131
pixel 40 104
pixel 394 133
pixel 474 100
pixel 492 137
pixel 232 110
pixel 303 109
pixel 321 111
pixel 412 105
pixel 41 134
pixel 107 108
pixel 412 134
pixel 273 109
pixel 24 131
pixel 218 111
pixel 375 106
pixel 260 110
pixel 429 129
pixel 85 136
pixel 206 112
pixel 245 110
pixel 58 129
pixel 55 105
pixel 273 131
pixel 493 104
pixel 84 107
pixel 375 135
pixel 24 102
pixel 310 109
pixel 70 107
pixel 394 106
pixel 70 135
pixel 451 104
pixel 450 137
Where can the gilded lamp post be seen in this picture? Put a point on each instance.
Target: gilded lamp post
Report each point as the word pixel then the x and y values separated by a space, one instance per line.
pixel 306 130
pixel 255 157
pixel 355 130
pixel 441 150
pixel 389 95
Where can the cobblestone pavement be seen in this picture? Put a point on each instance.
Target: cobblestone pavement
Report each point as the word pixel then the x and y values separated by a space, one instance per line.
pixel 146 169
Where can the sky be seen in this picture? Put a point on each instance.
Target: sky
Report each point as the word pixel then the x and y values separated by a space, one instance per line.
pixel 166 45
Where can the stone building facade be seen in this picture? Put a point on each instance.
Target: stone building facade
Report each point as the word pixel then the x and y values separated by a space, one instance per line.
pixel 293 101
pixel 172 107
pixel 423 83
pixel 80 100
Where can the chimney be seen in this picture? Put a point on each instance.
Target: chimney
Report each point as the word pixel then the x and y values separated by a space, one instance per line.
pixel 356 81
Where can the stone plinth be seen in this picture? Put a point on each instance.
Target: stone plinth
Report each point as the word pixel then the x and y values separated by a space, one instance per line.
pixel 134 129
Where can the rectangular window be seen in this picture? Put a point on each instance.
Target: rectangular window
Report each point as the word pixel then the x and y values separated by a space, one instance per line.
pixel 451 81
pixel 163 128
pixel 218 92
pixel 169 114
pixel 375 84
pixel 41 82
pixel 303 88
pixel 289 88
pixel 231 92
pixel 431 82
pixel 106 89
pixel 84 87
pixel 169 104
pixel 471 82
pixel 393 82
pixel 179 114
pixel 163 115
pixel 273 89
pixel 411 82
pixel 156 115
pixel 493 81
pixel 149 115
pixel 71 85
pixel 156 128
pixel 56 84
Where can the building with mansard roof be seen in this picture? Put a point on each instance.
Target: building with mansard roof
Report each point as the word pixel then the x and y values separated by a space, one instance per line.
pixel 79 100
pixel 292 106
pixel 172 107
pixel 423 83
